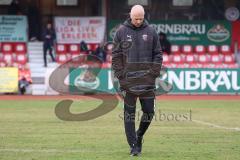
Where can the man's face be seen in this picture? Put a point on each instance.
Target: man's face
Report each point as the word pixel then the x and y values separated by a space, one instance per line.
pixel 49 26
pixel 137 19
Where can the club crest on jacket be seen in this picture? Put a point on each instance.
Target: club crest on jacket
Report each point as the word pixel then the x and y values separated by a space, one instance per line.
pixel 144 37
pixel 129 38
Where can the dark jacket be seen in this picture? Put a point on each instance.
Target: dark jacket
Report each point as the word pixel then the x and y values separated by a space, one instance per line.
pixel 165 44
pixel 83 46
pixel 139 64
pixel 51 33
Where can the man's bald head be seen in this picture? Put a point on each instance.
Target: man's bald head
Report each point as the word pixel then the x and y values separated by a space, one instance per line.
pixel 137 10
pixel 137 15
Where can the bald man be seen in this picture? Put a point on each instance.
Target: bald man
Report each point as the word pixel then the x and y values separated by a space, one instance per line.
pixel 136 68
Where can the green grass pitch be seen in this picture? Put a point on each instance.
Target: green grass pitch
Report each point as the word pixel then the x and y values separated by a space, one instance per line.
pixel 29 130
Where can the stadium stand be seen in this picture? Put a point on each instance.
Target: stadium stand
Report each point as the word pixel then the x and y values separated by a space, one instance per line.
pixel 65 52
pixel 14 54
pixel 187 49
pixel 200 56
pixel 185 56
pixel 175 49
pixel 62 54
pixel 212 56
pixel 200 49
pixel 92 46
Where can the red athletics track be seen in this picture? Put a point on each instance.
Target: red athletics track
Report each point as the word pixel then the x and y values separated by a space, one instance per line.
pixel 163 97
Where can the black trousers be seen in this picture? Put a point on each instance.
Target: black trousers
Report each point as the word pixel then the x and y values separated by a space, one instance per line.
pixel 147 106
pixel 22 90
pixel 47 47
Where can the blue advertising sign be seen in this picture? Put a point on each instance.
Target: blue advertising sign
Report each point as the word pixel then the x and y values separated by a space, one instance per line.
pixel 13 28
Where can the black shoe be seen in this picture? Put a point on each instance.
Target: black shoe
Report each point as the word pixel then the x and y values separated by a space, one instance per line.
pixel 134 151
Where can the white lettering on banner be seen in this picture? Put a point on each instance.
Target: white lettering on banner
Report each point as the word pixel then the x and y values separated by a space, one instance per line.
pixel 197 81
pixel 223 79
pixel 179 38
pixel 205 81
pixel 174 80
pixel 185 27
pixel 110 82
pixel 177 29
pixel 192 77
pixel 181 28
pixel 202 80
pixel 235 81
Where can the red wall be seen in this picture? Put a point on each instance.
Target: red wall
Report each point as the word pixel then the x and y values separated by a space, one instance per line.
pixel 236 32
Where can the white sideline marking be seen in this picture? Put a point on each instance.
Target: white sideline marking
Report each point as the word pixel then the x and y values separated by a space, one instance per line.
pixel 216 126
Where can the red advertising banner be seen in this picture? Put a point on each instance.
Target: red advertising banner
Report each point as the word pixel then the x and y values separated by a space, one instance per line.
pixel 236 32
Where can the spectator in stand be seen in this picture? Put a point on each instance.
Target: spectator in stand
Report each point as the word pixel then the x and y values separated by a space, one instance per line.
pixel 14 8
pixel 165 44
pixel 48 40
pixel 22 85
pixel 84 47
pixel 100 53
pixel 25 79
